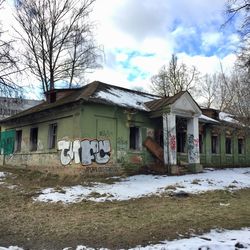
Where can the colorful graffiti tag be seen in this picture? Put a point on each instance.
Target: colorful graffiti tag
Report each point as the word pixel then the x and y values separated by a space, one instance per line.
pixel 85 152
pixel 172 142
pixel 193 149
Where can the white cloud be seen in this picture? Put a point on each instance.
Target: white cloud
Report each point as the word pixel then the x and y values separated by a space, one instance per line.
pixel 209 64
pixel 210 39
pixel 156 28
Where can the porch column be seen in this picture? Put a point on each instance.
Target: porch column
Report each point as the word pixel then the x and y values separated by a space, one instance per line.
pixel 193 141
pixel 169 139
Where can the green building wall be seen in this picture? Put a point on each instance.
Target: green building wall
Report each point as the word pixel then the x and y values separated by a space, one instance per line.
pixel 97 122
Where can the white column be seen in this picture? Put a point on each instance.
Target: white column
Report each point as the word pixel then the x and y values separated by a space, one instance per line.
pixel 193 140
pixel 169 139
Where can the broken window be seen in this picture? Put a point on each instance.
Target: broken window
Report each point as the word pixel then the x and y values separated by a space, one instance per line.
pixel 215 144
pixel 134 138
pixel 241 146
pixel 18 140
pixel 181 141
pixel 52 135
pixel 33 139
pixel 228 145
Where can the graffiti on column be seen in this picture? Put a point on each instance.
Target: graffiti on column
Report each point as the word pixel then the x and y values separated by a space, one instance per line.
pixel 172 142
pixel 172 146
pixel 193 148
pixel 85 151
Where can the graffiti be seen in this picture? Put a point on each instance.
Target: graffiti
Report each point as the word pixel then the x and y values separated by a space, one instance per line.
pixel 85 151
pixel 150 132
pixel 105 133
pixel 122 143
pixel 193 149
pixel 196 142
pixel 172 142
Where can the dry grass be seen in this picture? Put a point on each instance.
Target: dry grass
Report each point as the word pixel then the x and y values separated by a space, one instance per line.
pixel 111 224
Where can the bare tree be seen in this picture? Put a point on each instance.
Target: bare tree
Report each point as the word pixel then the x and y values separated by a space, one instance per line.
pixel 58 41
pixel 174 78
pixel 241 8
pixel 8 66
pixel 240 95
pixel 208 89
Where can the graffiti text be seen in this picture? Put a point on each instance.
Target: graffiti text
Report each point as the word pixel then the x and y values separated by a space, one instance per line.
pixel 85 151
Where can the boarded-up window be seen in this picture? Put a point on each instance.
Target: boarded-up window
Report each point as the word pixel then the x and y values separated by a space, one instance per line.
pixel 215 144
pixel 52 135
pixel 134 138
pixel 33 139
pixel 228 145
pixel 18 140
pixel 241 146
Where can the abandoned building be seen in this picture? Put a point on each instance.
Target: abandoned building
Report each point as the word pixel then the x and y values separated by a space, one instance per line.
pixel 102 128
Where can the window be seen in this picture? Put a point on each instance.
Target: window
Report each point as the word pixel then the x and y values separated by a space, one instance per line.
pixel 33 139
pixel 215 144
pixel 201 143
pixel 134 138
pixel 228 145
pixel 52 135
pixel 181 142
pixel 18 141
pixel 241 146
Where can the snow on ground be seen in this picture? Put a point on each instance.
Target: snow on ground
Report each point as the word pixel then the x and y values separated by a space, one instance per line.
pixel 11 248
pixel 2 175
pixel 215 240
pixel 146 185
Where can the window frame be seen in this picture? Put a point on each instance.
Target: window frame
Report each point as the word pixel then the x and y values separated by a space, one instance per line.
pixel 242 151
pixel 33 139
pixel 216 151
pixel 135 143
pixel 228 145
pixel 52 135
pixel 18 140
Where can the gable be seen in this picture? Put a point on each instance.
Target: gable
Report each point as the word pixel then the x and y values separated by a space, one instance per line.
pixel 185 106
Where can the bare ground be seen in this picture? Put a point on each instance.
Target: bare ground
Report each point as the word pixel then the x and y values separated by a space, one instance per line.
pixel 114 225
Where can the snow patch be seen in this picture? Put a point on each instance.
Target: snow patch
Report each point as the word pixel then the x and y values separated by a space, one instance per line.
pixel 206 118
pixel 126 99
pixel 227 117
pixel 147 185
pixel 215 240
pixel 11 248
pixel 2 175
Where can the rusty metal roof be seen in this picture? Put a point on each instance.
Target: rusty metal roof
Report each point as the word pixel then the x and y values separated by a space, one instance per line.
pixel 164 101
pixel 87 93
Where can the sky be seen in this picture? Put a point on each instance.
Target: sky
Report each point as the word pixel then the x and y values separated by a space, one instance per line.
pixel 139 36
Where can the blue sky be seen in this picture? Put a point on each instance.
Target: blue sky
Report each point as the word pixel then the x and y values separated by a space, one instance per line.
pixel 139 36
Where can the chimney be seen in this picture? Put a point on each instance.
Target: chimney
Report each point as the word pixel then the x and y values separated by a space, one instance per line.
pixel 51 96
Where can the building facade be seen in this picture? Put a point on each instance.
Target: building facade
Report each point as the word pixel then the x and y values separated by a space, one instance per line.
pixel 105 129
